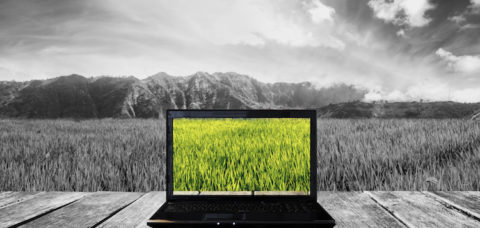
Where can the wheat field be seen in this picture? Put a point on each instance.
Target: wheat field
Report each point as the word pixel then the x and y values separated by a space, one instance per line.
pixel 129 155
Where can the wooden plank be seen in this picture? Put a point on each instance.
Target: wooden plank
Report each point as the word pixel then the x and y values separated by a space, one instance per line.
pixel 10 198
pixel 86 212
pixel 137 213
pixel 356 209
pixel 466 201
pixel 415 209
pixel 40 204
pixel 5 193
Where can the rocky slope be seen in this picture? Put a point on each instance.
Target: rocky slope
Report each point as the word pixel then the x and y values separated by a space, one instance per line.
pixel 76 96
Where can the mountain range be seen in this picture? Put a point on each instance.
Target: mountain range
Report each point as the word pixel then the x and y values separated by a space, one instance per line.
pixel 76 96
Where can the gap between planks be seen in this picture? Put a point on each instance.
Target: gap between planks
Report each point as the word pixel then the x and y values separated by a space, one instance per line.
pixel 441 198
pixel 416 209
pixel 89 211
pixel 137 213
pixel 35 207
pixel 356 209
pixel 386 210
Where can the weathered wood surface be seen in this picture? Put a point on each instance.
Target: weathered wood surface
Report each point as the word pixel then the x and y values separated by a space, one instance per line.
pixel 40 204
pixel 9 198
pixel 350 209
pixel 137 214
pixel 356 209
pixel 87 212
pixel 469 202
pixel 416 209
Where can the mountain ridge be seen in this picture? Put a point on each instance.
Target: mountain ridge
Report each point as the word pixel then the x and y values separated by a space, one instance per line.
pixel 76 96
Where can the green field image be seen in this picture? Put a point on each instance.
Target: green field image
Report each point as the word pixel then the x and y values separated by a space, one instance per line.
pixel 270 154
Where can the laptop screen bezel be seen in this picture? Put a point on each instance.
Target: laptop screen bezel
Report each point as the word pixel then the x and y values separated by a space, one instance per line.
pixel 172 114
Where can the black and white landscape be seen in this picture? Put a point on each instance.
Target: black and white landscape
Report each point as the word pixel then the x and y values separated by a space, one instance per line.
pixel 396 86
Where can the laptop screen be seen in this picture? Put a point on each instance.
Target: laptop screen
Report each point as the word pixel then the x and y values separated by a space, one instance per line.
pixel 241 156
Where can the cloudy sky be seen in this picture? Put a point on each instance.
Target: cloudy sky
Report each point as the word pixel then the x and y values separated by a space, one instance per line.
pixel 398 49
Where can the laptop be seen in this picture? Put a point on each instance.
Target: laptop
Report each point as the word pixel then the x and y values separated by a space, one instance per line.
pixel 241 168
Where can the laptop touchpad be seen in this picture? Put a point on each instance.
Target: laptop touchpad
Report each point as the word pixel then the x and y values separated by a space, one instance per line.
pixel 218 216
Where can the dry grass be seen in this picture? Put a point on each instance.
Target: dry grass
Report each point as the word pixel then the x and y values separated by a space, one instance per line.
pixel 113 155
pixel 128 155
pixel 399 154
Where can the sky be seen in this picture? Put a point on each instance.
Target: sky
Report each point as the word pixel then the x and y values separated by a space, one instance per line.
pixel 396 49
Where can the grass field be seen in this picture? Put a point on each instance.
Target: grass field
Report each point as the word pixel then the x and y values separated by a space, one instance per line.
pixel 128 155
pixel 241 154
pixel 111 155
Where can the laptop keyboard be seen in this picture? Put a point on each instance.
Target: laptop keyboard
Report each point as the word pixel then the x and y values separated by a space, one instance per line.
pixel 242 207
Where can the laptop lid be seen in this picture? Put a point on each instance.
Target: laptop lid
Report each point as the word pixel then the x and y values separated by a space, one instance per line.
pixel 220 154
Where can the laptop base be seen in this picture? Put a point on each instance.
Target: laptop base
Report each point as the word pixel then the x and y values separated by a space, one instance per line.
pixel 167 216
pixel 242 224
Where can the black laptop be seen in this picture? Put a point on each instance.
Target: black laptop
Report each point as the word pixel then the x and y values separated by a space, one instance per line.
pixel 239 168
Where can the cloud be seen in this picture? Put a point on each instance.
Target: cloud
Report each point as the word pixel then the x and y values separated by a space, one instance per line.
pixel 140 38
pixel 319 12
pixel 6 74
pixel 464 19
pixel 236 22
pixel 402 12
pixel 474 7
pixel 467 95
pixel 391 96
pixel 457 19
pixel 475 3
pixel 401 33
pixel 435 91
pixel 469 26
pixel 443 92
pixel 460 64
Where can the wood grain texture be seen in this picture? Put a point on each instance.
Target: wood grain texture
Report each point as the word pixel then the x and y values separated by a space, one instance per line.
pixel 137 213
pixel 355 209
pixel 86 212
pixel 4 193
pixel 350 209
pixel 40 204
pixel 415 209
pixel 466 201
pixel 10 198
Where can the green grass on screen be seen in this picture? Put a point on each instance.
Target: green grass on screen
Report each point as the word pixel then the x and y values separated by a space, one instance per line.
pixel 270 154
